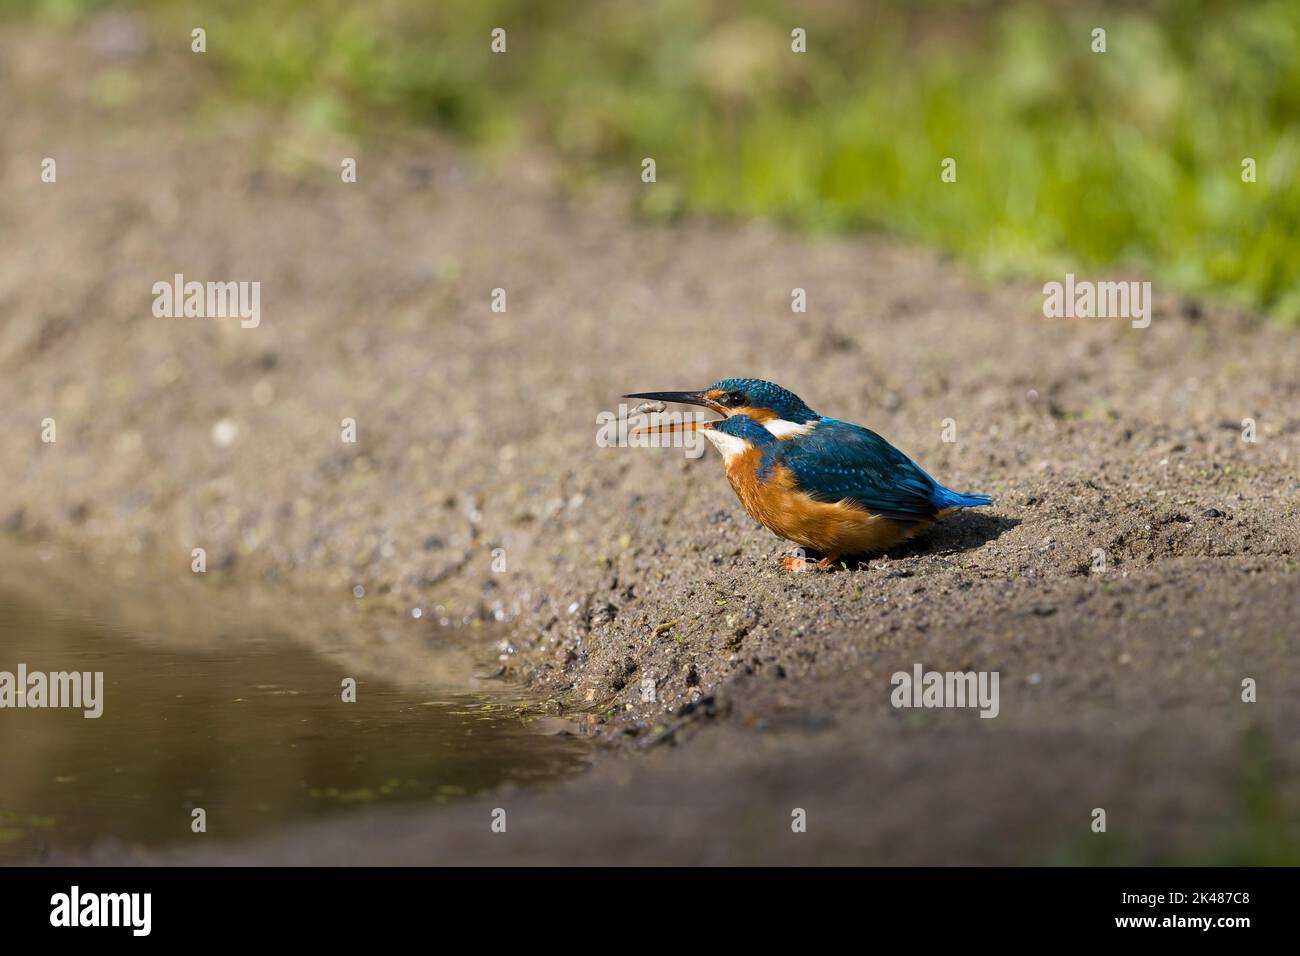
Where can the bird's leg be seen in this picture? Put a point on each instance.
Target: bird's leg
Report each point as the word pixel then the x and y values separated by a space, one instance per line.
pixel 798 562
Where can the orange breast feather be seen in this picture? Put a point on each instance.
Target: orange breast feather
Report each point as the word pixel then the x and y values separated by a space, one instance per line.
pixel 839 528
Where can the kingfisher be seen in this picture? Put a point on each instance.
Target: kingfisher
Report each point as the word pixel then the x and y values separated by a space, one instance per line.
pixel 825 484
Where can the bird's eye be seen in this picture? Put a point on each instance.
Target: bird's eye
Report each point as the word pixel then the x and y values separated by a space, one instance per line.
pixel 736 399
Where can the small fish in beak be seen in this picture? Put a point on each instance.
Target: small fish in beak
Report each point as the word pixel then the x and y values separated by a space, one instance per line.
pixel 659 399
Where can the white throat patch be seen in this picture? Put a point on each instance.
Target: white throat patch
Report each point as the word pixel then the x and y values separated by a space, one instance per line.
pixel 785 429
pixel 729 445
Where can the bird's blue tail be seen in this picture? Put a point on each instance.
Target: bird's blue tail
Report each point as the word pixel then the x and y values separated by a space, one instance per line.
pixel 945 498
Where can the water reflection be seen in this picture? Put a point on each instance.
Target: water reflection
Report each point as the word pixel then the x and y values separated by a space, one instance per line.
pixel 257 735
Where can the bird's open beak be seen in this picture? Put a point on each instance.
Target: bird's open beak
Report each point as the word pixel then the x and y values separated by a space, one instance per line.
pixel 684 398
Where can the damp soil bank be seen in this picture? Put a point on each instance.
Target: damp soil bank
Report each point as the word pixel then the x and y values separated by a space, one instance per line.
pixel 1139 564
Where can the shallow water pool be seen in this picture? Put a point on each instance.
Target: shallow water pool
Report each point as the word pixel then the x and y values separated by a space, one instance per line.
pixel 255 736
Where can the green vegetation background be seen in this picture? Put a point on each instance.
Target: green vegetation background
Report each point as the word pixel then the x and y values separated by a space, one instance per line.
pixel 1066 159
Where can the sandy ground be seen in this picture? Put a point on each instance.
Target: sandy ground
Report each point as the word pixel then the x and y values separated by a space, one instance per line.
pixel 1120 689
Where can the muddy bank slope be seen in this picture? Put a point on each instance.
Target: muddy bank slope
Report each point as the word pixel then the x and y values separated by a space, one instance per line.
pixel 1106 447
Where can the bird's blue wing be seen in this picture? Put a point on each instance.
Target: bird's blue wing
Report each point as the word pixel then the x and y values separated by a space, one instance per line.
pixel 840 460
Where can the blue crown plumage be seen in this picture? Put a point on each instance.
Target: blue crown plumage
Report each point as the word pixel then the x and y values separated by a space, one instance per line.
pixel 761 394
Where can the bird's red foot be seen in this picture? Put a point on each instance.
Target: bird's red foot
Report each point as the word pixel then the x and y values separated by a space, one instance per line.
pixel 797 563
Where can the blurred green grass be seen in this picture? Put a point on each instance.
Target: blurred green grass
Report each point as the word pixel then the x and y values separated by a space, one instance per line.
pixel 1128 160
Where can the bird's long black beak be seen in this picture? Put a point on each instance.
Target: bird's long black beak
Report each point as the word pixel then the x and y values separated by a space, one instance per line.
pixel 685 398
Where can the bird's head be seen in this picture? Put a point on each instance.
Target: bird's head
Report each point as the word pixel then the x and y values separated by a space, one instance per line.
pixel 751 397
